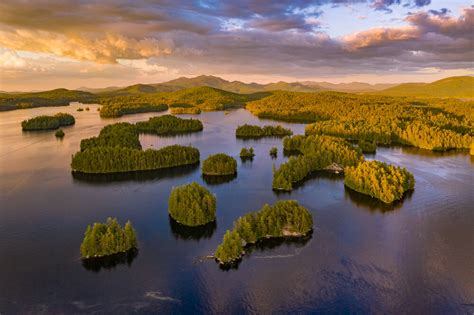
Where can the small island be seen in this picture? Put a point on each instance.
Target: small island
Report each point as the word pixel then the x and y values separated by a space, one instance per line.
pixel 169 124
pixel 48 122
pixel 192 205
pixel 59 133
pixel 219 164
pixel 247 154
pixel 252 131
pixel 284 219
pixel 367 147
pixel 185 110
pixel 109 238
pixel 273 152
pixel 379 180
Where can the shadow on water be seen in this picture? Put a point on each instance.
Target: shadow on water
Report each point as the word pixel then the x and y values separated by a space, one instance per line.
pixel 196 233
pixel 373 204
pixel 268 244
pixel 217 180
pixel 110 262
pixel 104 179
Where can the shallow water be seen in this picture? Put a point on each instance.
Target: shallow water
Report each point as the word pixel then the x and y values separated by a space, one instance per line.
pixel 416 256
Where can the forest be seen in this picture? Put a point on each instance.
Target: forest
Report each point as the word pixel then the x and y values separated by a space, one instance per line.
pixel 285 218
pixel 219 164
pixel 434 124
pixel 315 153
pixel 252 131
pixel 379 180
pixel 366 146
pixel 122 134
pixel 48 122
pixel 117 106
pixel 109 238
pixel 247 153
pixel 168 124
pixel 192 205
pixel 185 110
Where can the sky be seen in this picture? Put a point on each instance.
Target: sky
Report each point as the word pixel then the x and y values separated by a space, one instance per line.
pixel 50 44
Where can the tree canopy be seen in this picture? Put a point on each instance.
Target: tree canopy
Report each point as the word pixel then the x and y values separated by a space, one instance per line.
pixel 48 122
pixel 219 164
pixel 252 131
pixel 169 124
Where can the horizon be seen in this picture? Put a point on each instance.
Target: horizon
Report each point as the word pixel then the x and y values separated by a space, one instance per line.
pixel 77 44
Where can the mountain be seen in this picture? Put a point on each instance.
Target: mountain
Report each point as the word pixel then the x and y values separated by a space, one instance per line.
pixel 449 87
pixel 352 87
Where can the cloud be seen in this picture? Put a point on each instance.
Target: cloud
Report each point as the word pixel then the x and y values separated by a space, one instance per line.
pixel 384 5
pixel 9 59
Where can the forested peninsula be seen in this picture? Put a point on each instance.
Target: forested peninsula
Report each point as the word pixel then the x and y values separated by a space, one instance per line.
pixel 48 122
pixel 283 219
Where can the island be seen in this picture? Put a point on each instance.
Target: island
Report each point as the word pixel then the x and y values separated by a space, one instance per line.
pixel 59 133
pixel 168 125
pixel 219 164
pixel 379 180
pixel 48 122
pixel 109 238
pixel 117 149
pixel 192 205
pixel 252 131
pixel 314 153
pixel 367 147
pixel 273 152
pixel 119 105
pixel 283 219
pixel 247 154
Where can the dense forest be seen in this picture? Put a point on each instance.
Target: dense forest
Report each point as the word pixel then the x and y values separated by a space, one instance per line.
pixel 219 164
pixel 48 122
pixel 366 146
pixel 433 124
pixel 168 124
pixel 192 205
pixel 130 104
pixel 283 219
pixel 123 135
pixel 380 180
pixel 252 131
pixel 185 110
pixel 57 97
pixel 247 153
pixel 315 153
pixel 103 239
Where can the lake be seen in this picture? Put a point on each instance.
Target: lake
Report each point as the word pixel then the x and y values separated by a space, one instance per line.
pixel 416 256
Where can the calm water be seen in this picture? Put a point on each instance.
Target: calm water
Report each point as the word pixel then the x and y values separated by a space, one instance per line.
pixel 415 257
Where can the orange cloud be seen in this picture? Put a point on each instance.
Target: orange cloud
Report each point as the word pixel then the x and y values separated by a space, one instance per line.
pixel 378 36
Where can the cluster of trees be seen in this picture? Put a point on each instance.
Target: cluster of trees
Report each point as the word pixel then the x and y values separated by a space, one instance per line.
pixel 107 159
pixel 192 205
pixel 273 152
pixel 219 164
pixel 433 124
pixel 117 106
pixel 252 131
pixel 59 133
pixel 367 147
pixel 247 153
pixel 103 239
pixel 316 153
pixel 185 110
pixel 169 124
pixel 124 135
pixel 380 180
pixel 48 122
pixel 284 219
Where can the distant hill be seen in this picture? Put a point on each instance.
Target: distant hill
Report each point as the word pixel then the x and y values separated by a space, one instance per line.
pixel 459 87
pixel 352 87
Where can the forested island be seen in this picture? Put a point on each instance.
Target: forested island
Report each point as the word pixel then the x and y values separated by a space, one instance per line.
pixel 169 124
pixel 379 180
pixel 367 147
pixel 273 152
pixel 117 149
pixel 48 122
pixel 59 133
pixel 192 205
pixel 283 219
pixel 109 238
pixel 315 153
pixel 247 153
pixel 219 164
pixel 253 131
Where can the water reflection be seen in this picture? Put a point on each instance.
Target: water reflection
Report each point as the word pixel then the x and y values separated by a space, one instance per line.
pixel 217 180
pixel 195 233
pixel 373 204
pixel 322 174
pixel 110 262
pixel 104 179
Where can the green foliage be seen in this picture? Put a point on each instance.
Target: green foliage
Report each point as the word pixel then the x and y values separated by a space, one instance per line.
pixel 316 153
pixel 192 205
pixel 380 180
pixel 251 131
pixel 103 239
pixel 367 147
pixel 131 104
pixel 273 152
pixel 116 135
pixel 48 122
pixel 219 164
pixel 247 153
pixel 284 219
pixel 185 110
pixel 59 133
pixel 108 159
pixel 168 124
